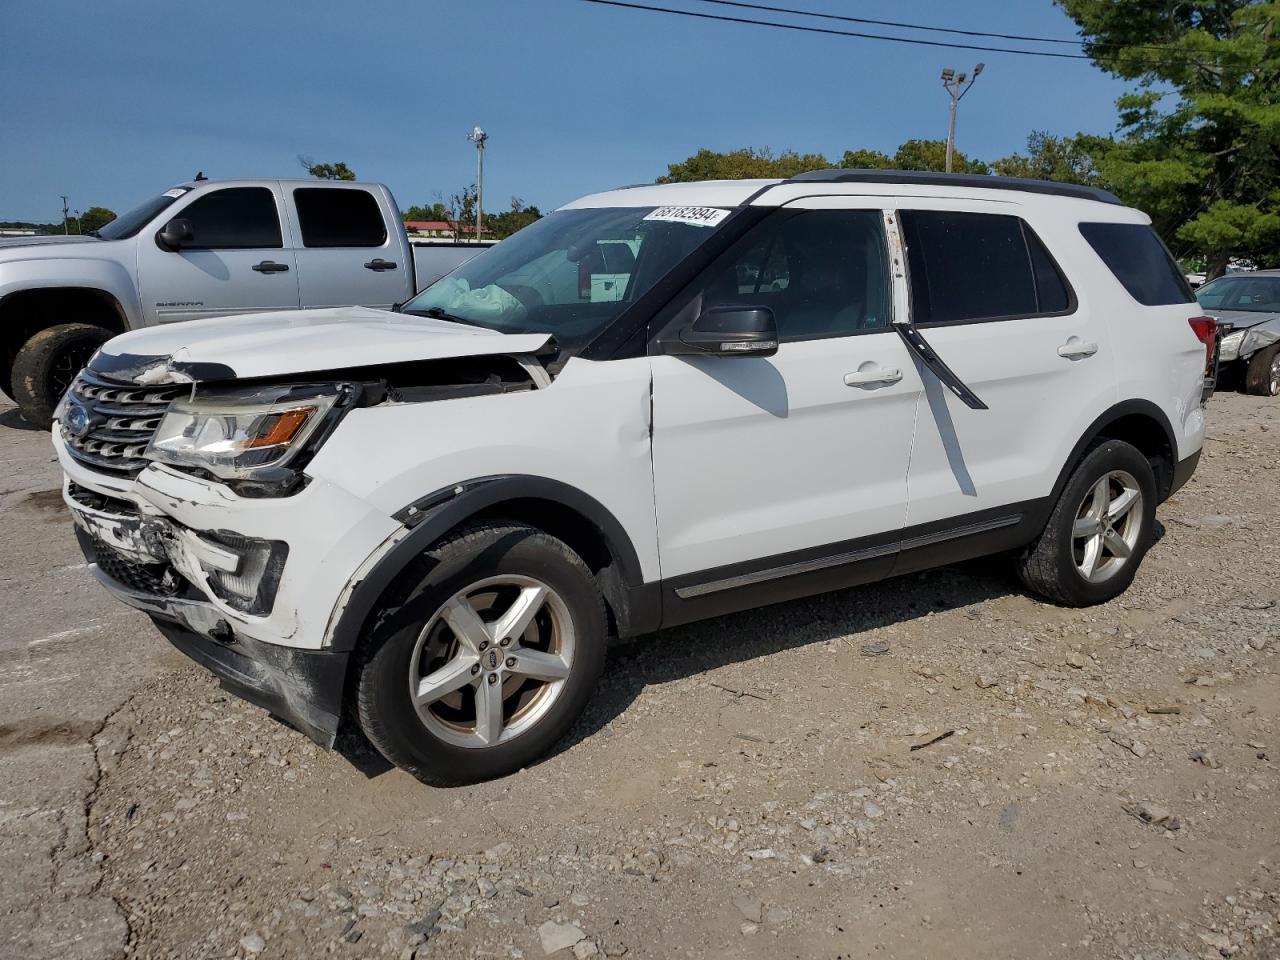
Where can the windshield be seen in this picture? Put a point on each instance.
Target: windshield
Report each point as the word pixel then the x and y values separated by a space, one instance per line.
pixel 128 224
pixel 570 274
pixel 1251 294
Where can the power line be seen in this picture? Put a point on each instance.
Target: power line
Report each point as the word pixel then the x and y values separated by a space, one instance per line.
pixel 887 23
pixel 829 31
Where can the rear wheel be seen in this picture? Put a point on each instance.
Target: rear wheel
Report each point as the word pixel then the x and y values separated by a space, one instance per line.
pixel 47 364
pixel 1262 378
pixel 1099 530
pixel 489 660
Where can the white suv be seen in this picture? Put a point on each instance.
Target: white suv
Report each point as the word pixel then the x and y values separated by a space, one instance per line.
pixel 657 404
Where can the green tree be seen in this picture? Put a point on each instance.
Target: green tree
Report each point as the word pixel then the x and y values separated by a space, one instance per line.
pixel 748 163
pixel 866 160
pixel 95 218
pixel 507 222
pixel 1199 144
pixel 932 155
pixel 326 171
pixel 1064 159
pixel 437 211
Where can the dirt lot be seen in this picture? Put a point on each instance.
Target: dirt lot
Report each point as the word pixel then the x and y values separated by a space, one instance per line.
pixel 934 766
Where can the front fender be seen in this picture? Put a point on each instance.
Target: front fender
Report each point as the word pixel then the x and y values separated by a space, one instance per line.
pixel 107 277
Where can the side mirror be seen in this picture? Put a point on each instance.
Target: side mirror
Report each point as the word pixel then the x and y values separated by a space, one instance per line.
pixel 175 235
pixel 728 331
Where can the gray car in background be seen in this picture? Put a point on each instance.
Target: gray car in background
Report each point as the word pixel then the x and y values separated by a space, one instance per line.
pixel 1250 305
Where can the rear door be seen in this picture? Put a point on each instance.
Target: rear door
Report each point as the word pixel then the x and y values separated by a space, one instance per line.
pixel 238 262
pixel 346 253
pixel 778 476
pixel 994 304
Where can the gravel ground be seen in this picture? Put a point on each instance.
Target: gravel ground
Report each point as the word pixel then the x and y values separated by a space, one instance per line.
pixel 934 766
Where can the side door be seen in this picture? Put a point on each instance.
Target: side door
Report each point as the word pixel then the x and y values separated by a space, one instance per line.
pixel 236 260
pixel 780 476
pixel 346 254
pixel 993 302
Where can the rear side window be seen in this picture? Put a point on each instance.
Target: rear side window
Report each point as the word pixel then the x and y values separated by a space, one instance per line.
pixel 339 218
pixel 1134 253
pixel 237 218
pixel 978 266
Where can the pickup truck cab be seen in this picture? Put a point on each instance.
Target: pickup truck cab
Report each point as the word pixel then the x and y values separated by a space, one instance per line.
pixel 206 248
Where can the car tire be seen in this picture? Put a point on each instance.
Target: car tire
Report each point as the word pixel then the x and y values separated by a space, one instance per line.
pixel 427 681
pixel 1262 377
pixel 47 363
pixel 1098 531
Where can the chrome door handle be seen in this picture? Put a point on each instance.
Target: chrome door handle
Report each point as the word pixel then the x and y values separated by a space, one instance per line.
pixel 1075 349
pixel 865 378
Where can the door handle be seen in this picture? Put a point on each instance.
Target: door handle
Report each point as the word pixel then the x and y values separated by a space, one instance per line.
pixel 379 265
pixel 270 266
pixel 872 375
pixel 1076 349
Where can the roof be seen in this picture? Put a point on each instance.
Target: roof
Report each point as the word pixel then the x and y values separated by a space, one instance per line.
pixel 428 225
pixel 733 193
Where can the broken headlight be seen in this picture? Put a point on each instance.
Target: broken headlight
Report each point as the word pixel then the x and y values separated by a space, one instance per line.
pixel 239 435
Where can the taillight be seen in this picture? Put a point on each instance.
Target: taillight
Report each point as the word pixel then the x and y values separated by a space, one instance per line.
pixel 1206 331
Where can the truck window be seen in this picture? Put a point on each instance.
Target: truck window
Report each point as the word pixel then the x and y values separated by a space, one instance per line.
pixel 1134 253
pixel 235 218
pixel 332 217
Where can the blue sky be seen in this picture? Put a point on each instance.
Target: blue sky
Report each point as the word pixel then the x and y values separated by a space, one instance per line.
pixel 112 102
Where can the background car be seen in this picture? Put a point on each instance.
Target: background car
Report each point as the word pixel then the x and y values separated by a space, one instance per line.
pixel 1250 352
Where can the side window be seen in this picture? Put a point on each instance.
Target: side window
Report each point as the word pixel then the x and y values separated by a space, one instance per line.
pixel 237 218
pixel 330 217
pixel 978 266
pixel 1134 253
pixel 824 273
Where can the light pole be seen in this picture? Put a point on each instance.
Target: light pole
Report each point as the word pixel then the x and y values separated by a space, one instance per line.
pixel 479 137
pixel 65 228
pixel 957 87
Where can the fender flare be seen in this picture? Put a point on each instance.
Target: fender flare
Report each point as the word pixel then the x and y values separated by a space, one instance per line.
pixel 431 517
pixel 1123 409
pixel 106 278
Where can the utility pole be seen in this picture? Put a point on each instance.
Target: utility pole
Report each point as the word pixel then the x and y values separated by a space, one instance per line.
pixel 64 216
pixel 479 137
pixel 957 87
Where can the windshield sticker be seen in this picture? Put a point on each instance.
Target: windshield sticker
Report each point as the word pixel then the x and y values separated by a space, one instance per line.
pixel 176 192
pixel 693 216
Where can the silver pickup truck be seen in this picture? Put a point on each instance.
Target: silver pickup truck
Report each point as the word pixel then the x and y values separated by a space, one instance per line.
pixel 205 248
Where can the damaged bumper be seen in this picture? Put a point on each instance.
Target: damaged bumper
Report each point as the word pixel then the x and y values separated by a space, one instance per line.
pixel 244 586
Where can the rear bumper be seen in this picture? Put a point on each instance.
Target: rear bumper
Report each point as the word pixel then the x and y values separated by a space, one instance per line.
pixel 1182 472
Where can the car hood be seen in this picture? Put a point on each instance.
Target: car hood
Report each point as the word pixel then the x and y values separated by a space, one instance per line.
pixel 296 342
pixel 1243 319
pixel 44 241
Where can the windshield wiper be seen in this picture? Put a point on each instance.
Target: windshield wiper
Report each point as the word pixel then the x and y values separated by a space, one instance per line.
pixel 916 342
pixel 439 313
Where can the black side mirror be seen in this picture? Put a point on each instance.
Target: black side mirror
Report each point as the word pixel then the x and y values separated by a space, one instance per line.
pixel 175 235
pixel 728 331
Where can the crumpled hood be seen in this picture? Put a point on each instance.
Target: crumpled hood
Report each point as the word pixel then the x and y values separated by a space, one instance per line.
pixel 1242 319
pixel 297 341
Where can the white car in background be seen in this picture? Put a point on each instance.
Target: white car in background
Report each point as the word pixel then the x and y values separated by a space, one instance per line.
pixel 655 405
pixel 1249 303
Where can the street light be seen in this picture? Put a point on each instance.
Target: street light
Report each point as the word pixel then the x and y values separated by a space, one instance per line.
pixel 957 87
pixel 478 136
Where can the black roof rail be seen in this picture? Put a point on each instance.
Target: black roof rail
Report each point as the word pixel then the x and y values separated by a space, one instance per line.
pixel 971 180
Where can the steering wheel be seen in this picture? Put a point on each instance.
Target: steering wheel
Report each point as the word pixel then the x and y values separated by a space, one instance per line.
pixel 529 298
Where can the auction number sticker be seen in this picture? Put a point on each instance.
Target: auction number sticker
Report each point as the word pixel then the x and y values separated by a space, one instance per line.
pixel 693 216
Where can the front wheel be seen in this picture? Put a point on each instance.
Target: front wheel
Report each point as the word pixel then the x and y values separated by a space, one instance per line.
pixel 488 660
pixel 1099 530
pixel 47 363
pixel 1262 376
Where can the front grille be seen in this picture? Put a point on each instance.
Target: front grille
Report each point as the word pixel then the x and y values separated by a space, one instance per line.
pixel 153 579
pixel 123 417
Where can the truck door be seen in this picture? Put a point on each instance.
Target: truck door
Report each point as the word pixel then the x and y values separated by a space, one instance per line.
pixel 346 253
pixel 234 261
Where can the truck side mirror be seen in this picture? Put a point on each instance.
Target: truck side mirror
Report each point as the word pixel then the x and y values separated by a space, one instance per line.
pixel 175 235
pixel 728 330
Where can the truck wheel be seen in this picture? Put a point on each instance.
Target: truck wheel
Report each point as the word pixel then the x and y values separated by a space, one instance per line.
pixel 1099 530
pixel 488 660
pixel 47 363
pixel 1262 379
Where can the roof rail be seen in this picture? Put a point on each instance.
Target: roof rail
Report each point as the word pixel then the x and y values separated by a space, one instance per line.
pixel 971 180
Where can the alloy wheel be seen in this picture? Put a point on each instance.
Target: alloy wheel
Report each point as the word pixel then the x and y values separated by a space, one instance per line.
pixel 491 661
pixel 1274 385
pixel 1107 526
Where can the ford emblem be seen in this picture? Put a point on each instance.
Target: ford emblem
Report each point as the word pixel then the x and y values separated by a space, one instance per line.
pixel 77 420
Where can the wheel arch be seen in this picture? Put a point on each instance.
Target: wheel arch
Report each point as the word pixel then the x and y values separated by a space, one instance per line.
pixel 557 508
pixel 1137 422
pixel 25 312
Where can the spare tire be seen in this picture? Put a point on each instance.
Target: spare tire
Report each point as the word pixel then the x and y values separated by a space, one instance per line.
pixel 47 364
